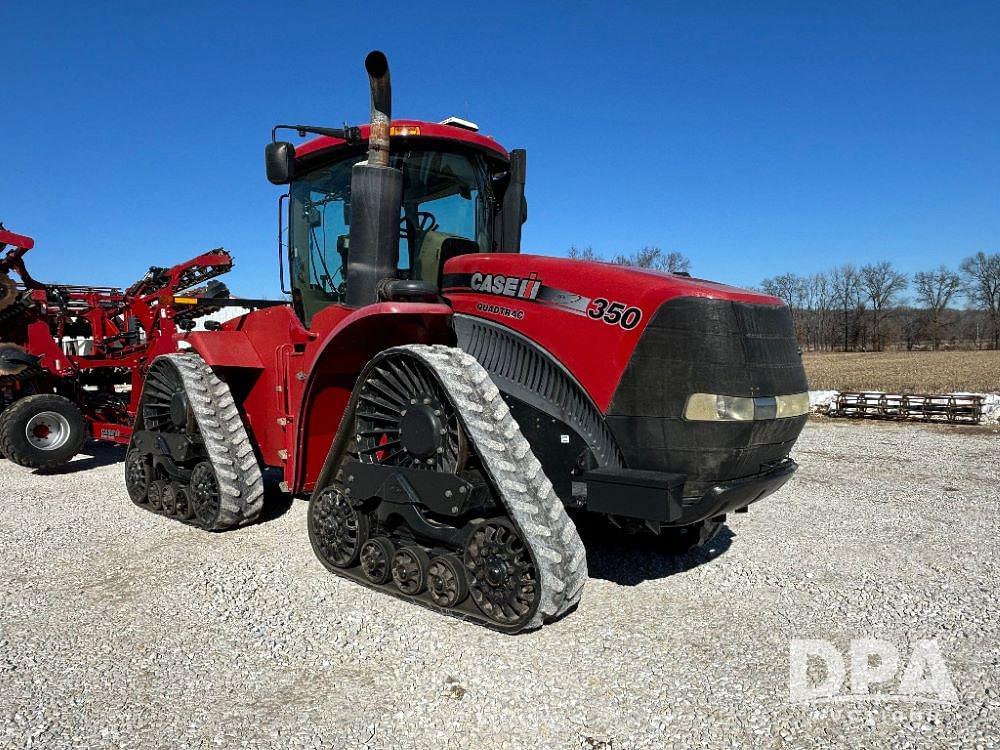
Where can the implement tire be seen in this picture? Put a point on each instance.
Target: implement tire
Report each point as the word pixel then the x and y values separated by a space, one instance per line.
pixel 42 432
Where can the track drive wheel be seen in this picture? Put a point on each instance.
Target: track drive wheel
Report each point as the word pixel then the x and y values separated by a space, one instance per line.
pixel 42 431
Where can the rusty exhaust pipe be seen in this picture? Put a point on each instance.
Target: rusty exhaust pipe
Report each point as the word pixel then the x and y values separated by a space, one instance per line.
pixel 381 108
pixel 376 199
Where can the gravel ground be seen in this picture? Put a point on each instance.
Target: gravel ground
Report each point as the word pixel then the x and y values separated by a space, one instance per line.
pixel 122 629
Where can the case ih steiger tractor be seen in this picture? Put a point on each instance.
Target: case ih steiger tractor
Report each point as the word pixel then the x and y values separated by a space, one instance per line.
pixel 445 399
pixel 73 358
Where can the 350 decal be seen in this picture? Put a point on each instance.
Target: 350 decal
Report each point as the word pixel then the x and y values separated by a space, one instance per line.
pixel 614 313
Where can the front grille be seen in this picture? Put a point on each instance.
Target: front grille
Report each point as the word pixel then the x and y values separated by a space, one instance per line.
pixel 700 345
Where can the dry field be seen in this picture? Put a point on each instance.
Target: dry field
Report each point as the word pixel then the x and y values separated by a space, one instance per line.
pixel 905 372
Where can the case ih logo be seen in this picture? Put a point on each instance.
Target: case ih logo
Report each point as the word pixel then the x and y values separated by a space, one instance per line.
pixel 508 286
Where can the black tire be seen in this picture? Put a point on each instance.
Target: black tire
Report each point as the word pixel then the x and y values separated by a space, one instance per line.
pixel 42 431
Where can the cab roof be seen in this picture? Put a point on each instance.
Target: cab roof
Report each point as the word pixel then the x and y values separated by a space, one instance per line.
pixel 411 129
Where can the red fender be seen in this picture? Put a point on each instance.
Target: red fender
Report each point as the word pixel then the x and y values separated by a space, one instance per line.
pixel 294 383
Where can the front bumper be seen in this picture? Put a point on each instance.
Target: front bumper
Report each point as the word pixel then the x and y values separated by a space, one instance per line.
pixel 659 496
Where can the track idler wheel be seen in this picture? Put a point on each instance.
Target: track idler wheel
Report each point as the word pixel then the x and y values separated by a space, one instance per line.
pixel 203 494
pixel 376 559
pixel 409 569
pixel 504 583
pixel 447 581
pixel 138 477
pixel 339 529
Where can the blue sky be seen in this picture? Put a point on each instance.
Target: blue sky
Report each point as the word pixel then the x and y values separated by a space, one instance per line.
pixel 757 138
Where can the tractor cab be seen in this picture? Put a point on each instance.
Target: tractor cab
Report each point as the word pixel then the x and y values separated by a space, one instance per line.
pixel 455 184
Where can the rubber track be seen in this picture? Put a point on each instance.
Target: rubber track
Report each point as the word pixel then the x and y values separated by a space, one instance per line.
pixel 241 486
pixel 517 474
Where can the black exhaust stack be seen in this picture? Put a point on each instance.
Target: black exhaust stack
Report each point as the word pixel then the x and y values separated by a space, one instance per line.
pixel 376 198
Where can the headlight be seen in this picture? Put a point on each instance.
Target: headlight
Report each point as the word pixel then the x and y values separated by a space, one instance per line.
pixel 710 407
pixel 794 405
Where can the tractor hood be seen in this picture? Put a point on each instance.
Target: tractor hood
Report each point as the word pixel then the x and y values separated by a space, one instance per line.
pixel 589 316
pixel 616 354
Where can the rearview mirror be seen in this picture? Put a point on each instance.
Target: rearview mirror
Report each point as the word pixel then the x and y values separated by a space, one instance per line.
pixel 279 159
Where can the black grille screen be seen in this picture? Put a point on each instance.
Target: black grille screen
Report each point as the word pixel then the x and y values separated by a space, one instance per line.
pixel 699 345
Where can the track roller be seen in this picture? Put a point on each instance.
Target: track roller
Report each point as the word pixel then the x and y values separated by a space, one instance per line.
pixel 185 509
pixel 447 581
pixel 155 494
pixel 168 499
pixel 409 569
pixel 376 559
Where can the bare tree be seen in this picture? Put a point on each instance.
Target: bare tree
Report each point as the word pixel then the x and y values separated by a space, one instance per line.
pixel 787 287
pixel 845 286
pixel 819 299
pixel 655 258
pixel 586 253
pixel 935 291
pixel 982 285
pixel 883 285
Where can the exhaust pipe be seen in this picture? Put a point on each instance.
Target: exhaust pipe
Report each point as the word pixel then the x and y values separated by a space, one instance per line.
pixel 381 108
pixel 376 198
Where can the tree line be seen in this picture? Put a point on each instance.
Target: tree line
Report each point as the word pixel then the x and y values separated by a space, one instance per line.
pixel 876 307
pixel 872 307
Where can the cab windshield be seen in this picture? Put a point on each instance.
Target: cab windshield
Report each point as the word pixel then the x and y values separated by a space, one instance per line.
pixel 447 210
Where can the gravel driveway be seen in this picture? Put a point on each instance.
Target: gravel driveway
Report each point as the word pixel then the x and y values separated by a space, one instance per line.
pixel 119 628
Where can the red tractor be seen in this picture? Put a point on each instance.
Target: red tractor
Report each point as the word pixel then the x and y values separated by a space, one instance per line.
pixel 73 358
pixel 445 399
